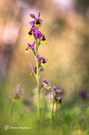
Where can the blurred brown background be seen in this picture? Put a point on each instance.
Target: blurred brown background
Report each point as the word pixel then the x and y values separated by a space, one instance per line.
pixel 66 26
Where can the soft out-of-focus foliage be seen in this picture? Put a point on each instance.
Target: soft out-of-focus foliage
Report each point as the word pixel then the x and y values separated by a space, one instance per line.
pixel 82 6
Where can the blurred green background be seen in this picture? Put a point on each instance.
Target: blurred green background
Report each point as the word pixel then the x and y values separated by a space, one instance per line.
pixel 66 26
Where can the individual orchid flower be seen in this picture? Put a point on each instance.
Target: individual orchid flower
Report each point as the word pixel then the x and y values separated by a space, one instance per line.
pixel 37 33
pixel 58 99
pixel 43 40
pixel 17 93
pixel 56 91
pixel 37 20
pixel 30 46
pixel 19 90
pixel 34 69
pixel 41 69
pixel 46 84
pixel 41 59
pixel 57 94
pixel 44 61
pixel 30 34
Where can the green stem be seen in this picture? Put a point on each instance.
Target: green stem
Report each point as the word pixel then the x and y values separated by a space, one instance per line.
pixel 38 90
pixel 52 110
pixel 56 110
pixel 38 83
